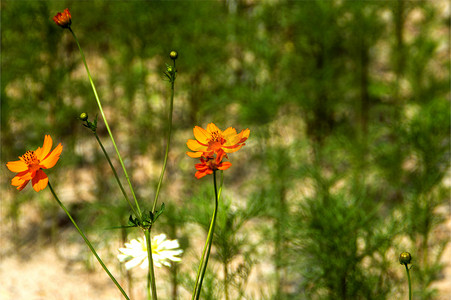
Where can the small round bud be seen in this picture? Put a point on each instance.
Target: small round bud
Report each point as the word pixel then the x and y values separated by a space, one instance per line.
pixel 169 69
pixel 173 55
pixel 405 258
pixel 83 116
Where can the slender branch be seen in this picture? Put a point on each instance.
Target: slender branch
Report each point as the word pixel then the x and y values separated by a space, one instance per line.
pixel 88 243
pixel 207 247
pixel 115 173
pixel 151 286
pixel 410 283
pixel 106 123
pixel 165 161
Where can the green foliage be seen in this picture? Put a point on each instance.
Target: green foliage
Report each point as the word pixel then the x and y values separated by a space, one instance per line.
pixel 346 164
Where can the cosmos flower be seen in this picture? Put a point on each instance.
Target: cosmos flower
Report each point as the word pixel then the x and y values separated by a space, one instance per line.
pixel 63 19
pixel 31 165
pixel 163 252
pixel 209 164
pixel 212 140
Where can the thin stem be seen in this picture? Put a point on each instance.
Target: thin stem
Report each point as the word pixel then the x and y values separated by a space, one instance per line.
pixel 151 286
pixel 410 283
pixel 88 243
pixel 115 174
pixel 106 123
pixel 226 280
pixel 165 161
pixel 207 247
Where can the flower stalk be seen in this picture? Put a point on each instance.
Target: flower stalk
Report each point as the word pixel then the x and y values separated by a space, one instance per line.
pixel 405 259
pixel 171 75
pixel 93 127
pixel 88 243
pixel 139 214
pixel 206 252
pixel 151 285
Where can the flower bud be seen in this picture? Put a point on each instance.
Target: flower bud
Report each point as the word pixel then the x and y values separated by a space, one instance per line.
pixel 405 258
pixel 84 116
pixel 169 69
pixel 173 55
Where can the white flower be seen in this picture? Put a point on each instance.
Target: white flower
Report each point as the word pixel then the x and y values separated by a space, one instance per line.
pixel 163 252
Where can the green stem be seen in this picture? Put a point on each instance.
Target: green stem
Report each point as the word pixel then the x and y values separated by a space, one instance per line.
pixel 165 161
pixel 106 123
pixel 88 243
pixel 115 174
pixel 151 286
pixel 208 243
pixel 410 283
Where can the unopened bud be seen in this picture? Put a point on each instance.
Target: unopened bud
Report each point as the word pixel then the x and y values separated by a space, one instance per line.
pixel 173 55
pixel 405 258
pixel 83 116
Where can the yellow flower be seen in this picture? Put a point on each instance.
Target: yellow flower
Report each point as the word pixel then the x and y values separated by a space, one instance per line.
pixel 30 165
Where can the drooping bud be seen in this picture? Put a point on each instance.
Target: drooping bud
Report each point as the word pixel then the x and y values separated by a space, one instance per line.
pixel 405 258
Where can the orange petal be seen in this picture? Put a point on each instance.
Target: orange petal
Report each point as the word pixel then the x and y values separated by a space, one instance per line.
pixel 212 128
pixel 26 175
pixel 200 174
pixel 196 146
pixel 225 165
pixel 52 158
pixel 229 135
pixel 201 135
pixel 17 166
pixel 194 154
pixel 232 149
pixel 40 180
pixel 244 135
pixel 19 182
pixel 41 153
pixel 229 132
pixel 232 140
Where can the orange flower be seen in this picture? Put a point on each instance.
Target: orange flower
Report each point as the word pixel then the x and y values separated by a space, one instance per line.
pixel 63 19
pixel 213 140
pixel 31 164
pixel 209 164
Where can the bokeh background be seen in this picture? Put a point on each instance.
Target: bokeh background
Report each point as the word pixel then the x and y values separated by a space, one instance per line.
pixel 347 164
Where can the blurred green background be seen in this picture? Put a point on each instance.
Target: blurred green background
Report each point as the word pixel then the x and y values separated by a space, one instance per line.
pixel 347 164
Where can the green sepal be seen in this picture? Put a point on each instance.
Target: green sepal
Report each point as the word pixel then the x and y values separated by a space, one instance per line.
pixel 133 222
pixel 159 212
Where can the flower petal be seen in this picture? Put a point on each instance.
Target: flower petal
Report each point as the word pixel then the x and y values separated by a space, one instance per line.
pixel 194 154
pixel 17 166
pixel 26 175
pixel 244 135
pixel 19 182
pixel 40 180
pixel 232 149
pixel 41 153
pixel 52 158
pixel 196 146
pixel 200 174
pixel 224 166
pixel 201 135
pixel 213 128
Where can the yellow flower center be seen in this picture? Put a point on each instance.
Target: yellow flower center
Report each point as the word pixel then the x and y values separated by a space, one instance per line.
pixel 216 141
pixel 30 158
